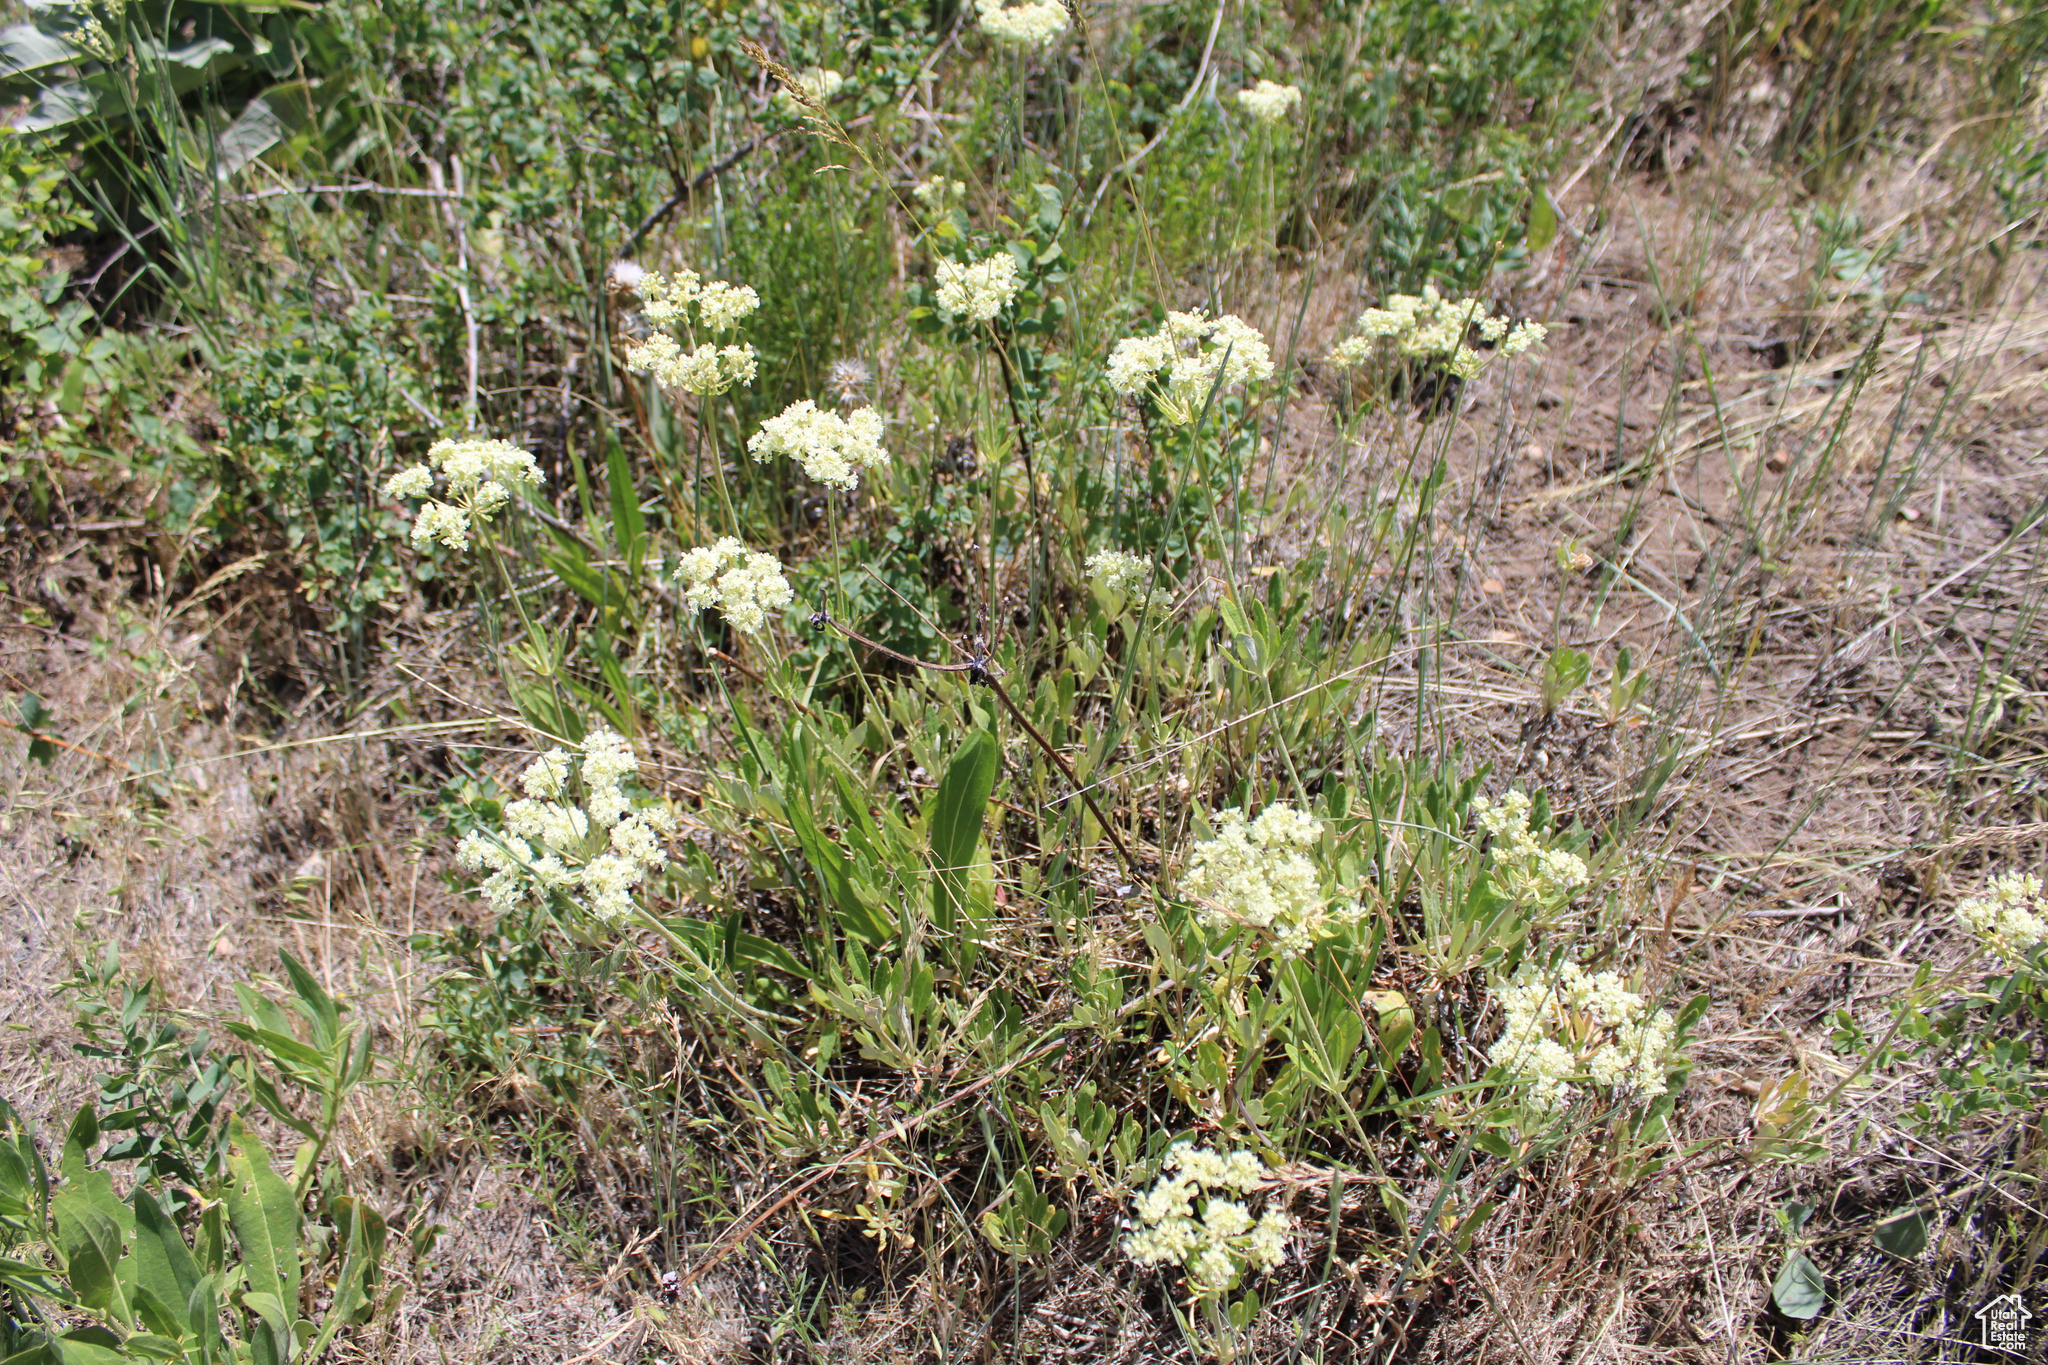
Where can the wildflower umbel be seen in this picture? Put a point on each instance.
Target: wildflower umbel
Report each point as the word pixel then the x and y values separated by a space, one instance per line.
pixel 576 834
pixel 1525 867
pixel 478 476
pixel 2011 916
pixel 1119 571
pixel 979 291
pixel 1269 102
pixel 1028 25
pixel 938 195
pixel 1218 1243
pixel 1257 872
pixel 1431 328
pixel 1190 356
pixel 680 307
pixel 832 449
pixel 1578 1027
pixel 743 584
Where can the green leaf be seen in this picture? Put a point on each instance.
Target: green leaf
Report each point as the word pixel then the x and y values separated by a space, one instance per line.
pixel 708 939
pixel 1904 1234
pixel 315 1003
pixel 91 1244
pixel 1542 221
pixel 854 914
pixel 1801 1290
pixel 958 809
pixel 164 1267
pixel 629 529
pixel 265 1216
pixel 33 712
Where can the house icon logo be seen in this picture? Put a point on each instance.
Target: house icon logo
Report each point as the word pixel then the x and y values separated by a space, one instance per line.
pixel 2005 1322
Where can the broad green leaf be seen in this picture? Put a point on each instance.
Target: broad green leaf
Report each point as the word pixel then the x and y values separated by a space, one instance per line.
pixel 255 131
pixel 1542 221
pixel 265 1216
pixel 314 1002
pixel 25 48
pixel 1323 1044
pixel 73 1349
pixel 629 528
pixel 1904 1234
pixel 81 1181
pixel 287 1051
pixel 163 1265
pixel 958 809
pixel 1801 1290
pixel 91 1245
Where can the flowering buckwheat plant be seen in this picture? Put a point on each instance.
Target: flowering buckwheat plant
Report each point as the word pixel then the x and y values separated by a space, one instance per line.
pixel 680 306
pixel 978 291
pixel 1027 25
pixel 832 449
pixel 1269 102
pixel 477 475
pixel 1432 328
pixel 1524 867
pixel 1577 1026
pixel 1189 356
pixel 1119 571
pixel 1257 872
pixel 939 195
pixel 591 853
pixel 2011 916
pixel 1216 1246
pixel 743 584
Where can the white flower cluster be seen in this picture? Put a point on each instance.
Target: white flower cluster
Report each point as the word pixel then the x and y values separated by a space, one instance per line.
pixel 1524 867
pixel 820 83
pixel 832 449
pixel 677 306
pixel 1257 872
pixel 744 584
pixel 938 195
pixel 1218 1246
pixel 1195 355
pixel 593 852
pixel 978 291
pixel 1269 102
pixel 1579 1024
pixel 1118 570
pixel 1033 24
pixel 477 473
pixel 1430 327
pixel 2012 916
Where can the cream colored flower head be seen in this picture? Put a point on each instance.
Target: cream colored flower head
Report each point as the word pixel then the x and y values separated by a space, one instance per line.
pixel 980 291
pixel 1190 356
pixel 679 307
pixel 477 476
pixel 820 83
pixel 1119 571
pixel 1269 102
pixel 939 195
pixel 1259 873
pixel 577 834
pixel 1429 327
pixel 832 449
pixel 1188 1218
pixel 745 585
pixel 1578 1028
pixel 1033 24
pixel 2011 916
